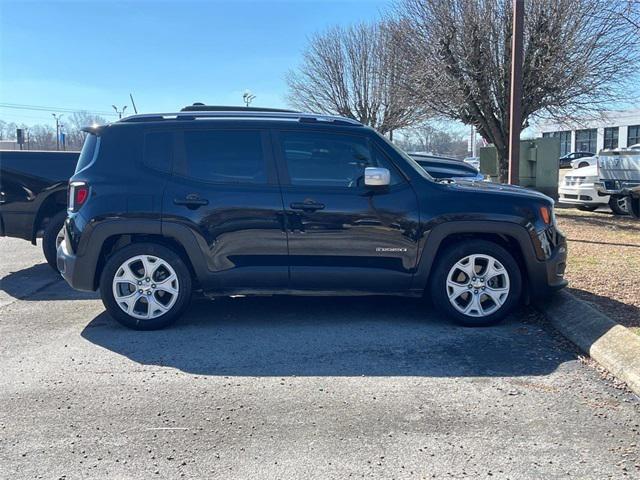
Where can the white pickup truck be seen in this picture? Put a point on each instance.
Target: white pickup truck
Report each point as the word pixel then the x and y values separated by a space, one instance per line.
pixel 619 174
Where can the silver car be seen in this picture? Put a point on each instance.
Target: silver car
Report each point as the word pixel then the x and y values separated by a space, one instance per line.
pixel 619 173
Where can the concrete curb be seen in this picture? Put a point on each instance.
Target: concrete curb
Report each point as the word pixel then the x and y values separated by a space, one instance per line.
pixel 608 343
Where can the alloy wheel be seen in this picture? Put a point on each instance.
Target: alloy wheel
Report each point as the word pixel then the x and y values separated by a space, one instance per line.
pixel 145 287
pixel 478 285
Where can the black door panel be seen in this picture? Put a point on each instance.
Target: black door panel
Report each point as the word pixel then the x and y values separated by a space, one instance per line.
pixel 236 212
pixel 359 240
pixel 342 235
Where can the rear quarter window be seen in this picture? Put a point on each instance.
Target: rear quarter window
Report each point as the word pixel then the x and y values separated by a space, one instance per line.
pixel 88 152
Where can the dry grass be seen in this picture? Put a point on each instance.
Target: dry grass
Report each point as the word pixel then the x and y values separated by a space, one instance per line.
pixel 603 267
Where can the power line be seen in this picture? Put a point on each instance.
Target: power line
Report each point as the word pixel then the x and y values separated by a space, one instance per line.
pixel 42 108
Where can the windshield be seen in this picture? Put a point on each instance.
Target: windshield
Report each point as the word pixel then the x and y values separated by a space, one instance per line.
pixel 415 165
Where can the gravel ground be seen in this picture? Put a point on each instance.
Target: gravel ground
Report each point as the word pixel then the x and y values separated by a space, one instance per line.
pixel 260 388
pixel 604 262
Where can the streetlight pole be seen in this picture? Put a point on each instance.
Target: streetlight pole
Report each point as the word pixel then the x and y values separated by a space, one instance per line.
pixel 119 112
pixel 57 119
pixel 248 98
pixel 515 108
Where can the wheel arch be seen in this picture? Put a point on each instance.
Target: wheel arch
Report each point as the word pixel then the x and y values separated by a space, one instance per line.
pixel 109 236
pixel 515 238
pixel 53 204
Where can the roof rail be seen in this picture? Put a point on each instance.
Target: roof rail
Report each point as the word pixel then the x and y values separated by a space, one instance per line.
pixel 241 114
pixel 201 107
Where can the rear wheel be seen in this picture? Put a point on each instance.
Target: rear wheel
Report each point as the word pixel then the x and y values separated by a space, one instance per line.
pixel 476 283
pixel 145 286
pixel 52 237
pixel 583 164
pixel 618 205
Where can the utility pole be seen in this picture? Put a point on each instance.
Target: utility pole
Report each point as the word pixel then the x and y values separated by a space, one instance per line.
pixel 474 146
pixel 248 98
pixel 515 100
pixel 57 118
pixel 119 112
pixel 133 104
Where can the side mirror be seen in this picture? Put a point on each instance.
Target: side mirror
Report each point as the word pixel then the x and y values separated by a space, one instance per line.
pixel 376 177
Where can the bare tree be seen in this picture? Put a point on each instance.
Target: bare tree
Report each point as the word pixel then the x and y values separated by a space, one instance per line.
pixel 42 137
pixel 356 72
pixel 74 126
pixel 438 138
pixel 579 55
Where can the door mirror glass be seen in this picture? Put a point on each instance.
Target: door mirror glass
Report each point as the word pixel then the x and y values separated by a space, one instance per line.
pixel 376 177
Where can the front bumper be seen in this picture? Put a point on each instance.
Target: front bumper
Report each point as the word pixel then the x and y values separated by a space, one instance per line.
pixel 581 195
pixel 619 187
pixel 548 275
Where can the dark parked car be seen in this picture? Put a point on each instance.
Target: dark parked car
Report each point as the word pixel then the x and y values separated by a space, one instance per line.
pixel 250 202
pixel 33 196
pixel 565 161
pixel 442 167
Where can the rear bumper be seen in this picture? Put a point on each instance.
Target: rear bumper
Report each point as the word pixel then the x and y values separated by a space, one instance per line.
pixel 71 266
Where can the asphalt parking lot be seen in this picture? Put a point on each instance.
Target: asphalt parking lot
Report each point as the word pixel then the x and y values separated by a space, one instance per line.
pixel 294 388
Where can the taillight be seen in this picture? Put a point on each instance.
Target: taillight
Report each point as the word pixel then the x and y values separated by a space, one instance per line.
pixel 78 195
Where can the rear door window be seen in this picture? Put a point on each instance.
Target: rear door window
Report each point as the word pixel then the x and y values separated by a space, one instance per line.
pixel 225 156
pixel 158 150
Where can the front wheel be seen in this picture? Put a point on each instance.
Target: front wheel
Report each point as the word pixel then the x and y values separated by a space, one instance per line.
pixel 632 206
pixel 476 283
pixel 618 205
pixel 145 286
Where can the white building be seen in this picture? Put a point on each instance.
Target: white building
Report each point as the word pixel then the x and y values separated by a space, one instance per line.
pixel 609 130
pixel 9 145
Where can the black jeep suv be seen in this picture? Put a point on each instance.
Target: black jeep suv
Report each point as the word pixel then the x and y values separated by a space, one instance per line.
pixel 274 202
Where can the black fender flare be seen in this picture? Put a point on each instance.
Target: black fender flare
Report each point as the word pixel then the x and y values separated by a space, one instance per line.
pixel 526 238
pixel 97 233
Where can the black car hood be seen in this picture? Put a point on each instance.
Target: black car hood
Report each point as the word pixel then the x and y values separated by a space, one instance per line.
pixel 497 188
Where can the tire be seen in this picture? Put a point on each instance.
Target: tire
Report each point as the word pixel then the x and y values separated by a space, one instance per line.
pixel 51 238
pixel 508 280
pixel 587 208
pixel 583 164
pixel 617 205
pixel 633 206
pixel 161 262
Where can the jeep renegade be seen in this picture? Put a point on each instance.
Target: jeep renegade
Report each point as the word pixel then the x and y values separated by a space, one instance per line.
pixel 233 201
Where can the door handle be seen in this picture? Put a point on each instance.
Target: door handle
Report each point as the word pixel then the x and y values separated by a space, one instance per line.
pixel 307 206
pixel 192 201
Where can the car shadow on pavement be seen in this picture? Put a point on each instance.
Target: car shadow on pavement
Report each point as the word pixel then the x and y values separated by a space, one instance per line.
pixel 29 284
pixel 312 336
